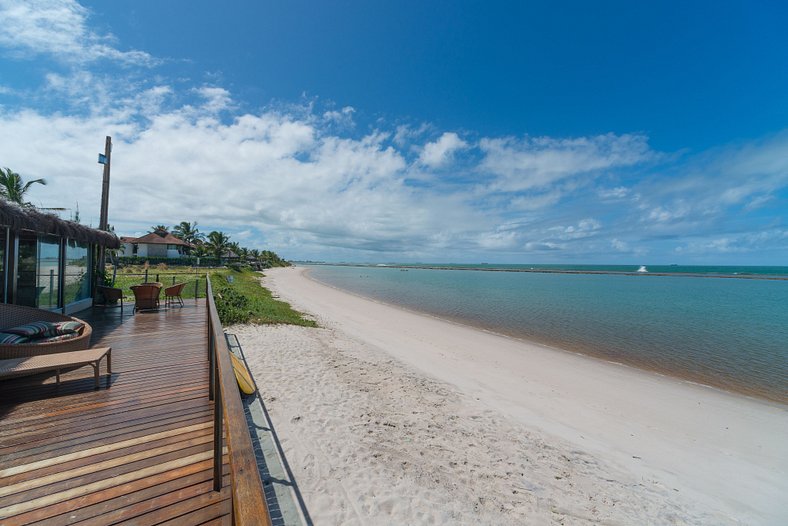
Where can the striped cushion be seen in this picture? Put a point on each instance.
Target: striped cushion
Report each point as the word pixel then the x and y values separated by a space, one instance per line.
pixel 68 327
pixel 12 339
pixel 35 329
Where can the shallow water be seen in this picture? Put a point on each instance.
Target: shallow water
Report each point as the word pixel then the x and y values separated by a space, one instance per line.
pixel 727 333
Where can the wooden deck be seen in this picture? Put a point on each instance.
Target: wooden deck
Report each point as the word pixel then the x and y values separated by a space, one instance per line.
pixel 137 453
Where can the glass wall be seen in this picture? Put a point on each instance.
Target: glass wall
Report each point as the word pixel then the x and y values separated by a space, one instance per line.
pixel 77 274
pixel 38 271
pixel 48 271
pixel 41 271
pixel 3 255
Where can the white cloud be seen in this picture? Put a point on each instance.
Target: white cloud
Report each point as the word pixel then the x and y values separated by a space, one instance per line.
pixel 59 28
pixel 404 135
pixel 618 192
pixel 539 162
pixel 535 201
pixel 440 152
pixel 619 245
pixel 302 180
pixel 216 99
pixel 768 241
pixel 584 228
pixel 343 117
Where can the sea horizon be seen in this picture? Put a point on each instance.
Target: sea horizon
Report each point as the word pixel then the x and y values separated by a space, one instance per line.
pixel 723 333
pixel 727 271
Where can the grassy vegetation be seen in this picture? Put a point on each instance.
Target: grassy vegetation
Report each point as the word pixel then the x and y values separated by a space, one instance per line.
pixel 240 299
pixel 134 275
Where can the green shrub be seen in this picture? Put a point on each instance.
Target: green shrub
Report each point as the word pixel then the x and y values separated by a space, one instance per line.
pixel 232 306
pixel 240 298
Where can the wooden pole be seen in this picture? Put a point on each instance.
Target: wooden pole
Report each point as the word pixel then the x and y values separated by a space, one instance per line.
pixel 104 217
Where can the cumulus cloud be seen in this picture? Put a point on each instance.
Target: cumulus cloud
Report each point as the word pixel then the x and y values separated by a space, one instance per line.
pixel 59 28
pixel 440 152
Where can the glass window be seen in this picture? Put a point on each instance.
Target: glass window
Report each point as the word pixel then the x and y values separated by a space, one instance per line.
pixel 77 275
pixel 48 271
pixel 38 271
pixel 27 281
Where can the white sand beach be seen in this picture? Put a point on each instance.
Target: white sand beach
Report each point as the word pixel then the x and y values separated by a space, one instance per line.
pixel 393 417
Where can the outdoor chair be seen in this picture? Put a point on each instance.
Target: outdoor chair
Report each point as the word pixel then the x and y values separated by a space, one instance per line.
pixel 110 297
pixel 172 295
pixel 15 316
pixel 146 295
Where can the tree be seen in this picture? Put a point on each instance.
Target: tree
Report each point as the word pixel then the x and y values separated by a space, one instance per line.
pixel 188 232
pixel 218 243
pixel 13 188
pixel 200 250
pixel 160 229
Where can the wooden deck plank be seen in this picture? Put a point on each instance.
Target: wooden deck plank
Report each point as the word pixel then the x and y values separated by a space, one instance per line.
pixel 119 497
pixel 139 452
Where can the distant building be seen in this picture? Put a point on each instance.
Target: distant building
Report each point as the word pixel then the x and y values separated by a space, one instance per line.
pixel 159 244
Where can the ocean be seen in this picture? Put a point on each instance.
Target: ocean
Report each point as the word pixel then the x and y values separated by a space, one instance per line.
pixel 709 325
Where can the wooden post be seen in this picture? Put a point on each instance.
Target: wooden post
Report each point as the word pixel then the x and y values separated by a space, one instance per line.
pixel 104 217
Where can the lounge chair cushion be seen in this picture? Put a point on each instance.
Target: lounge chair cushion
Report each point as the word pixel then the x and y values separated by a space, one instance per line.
pixel 34 329
pixel 69 327
pixel 40 330
pixel 12 339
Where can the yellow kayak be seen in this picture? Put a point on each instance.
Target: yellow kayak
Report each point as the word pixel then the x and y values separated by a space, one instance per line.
pixel 242 375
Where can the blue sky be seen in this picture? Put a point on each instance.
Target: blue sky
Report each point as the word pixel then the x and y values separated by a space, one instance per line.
pixel 614 132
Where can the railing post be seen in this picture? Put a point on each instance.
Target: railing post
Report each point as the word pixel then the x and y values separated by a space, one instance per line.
pixel 217 434
pixel 146 275
pixel 211 353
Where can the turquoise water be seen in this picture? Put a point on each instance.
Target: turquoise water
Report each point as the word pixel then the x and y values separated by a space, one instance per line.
pixel 728 333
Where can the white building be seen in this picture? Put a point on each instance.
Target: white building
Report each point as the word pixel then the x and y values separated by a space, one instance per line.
pixel 154 245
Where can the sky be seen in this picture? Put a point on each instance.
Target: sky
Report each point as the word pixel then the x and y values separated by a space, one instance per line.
pixel 413 131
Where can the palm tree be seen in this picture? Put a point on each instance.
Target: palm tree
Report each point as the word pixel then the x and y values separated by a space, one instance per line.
pixel 218 243
pixel 188 232
pixel 12 188
pixel 160 229
pixel 200 250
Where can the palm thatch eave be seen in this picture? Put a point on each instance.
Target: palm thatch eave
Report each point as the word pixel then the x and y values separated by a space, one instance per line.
pixel 19 218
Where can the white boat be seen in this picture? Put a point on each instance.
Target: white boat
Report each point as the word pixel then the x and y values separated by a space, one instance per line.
pixel 642 268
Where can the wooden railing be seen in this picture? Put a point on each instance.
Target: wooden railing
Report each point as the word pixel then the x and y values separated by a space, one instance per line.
pixel 249 507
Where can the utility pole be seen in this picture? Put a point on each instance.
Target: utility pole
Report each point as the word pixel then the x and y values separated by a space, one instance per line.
pixel 103 219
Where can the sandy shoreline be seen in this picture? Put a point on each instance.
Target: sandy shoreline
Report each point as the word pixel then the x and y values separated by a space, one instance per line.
pixel 391 416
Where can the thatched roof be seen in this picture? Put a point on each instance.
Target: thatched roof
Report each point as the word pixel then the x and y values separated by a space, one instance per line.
pixel 19 218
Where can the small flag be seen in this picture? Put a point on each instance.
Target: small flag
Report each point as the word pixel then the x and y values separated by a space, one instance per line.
pixel 102 159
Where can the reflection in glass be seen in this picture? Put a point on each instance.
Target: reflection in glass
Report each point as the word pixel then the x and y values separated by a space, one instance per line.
pixel 3 238
pixel 48 271
pixel 77 277
pixel 27 282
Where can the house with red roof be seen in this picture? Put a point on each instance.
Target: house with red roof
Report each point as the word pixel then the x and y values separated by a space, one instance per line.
pixel 159 244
